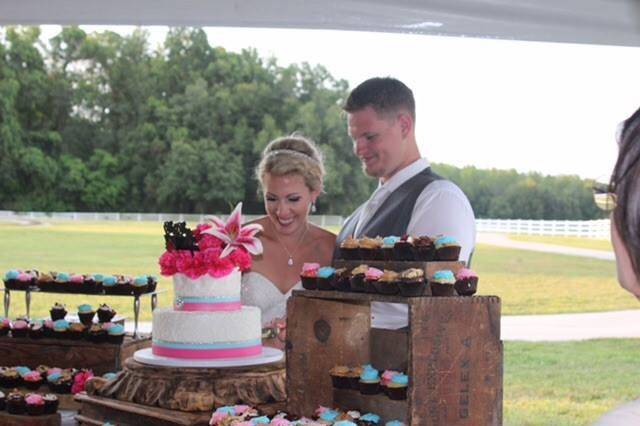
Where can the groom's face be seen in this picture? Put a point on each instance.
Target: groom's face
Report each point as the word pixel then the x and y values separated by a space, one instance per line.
pixel 377 141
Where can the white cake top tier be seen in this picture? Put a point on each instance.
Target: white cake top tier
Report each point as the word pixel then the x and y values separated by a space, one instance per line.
pixel 207 286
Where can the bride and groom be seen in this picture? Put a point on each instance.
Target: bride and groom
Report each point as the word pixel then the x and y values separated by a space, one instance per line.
pixel 410 199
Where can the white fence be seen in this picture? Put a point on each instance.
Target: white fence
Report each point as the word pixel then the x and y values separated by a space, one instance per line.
pixel 566 228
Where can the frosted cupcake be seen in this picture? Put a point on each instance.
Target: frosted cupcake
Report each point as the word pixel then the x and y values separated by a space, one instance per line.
pixel 61 282
pixel 105 313
pixel 387 246
pixel 369 381
pixel 326 278
pixel 109 283
pixel 339 376
pixel 45 281
pixel 5 326
pixel 397 387
pixel 76 283
pixel 424 249
pixel 19 328
pixel 309 275
pixel 466 282
pixel 60 329
pixel 58 311
pixel 371 277
pixel 388 282
pixel 371 248
pixel 357 278
pixel 115 334
pixel 412 282
pixel 404 249
pixel 11 279
pixel 343 275
pixel 350 248
pixel 86 314
pixel 442 283
pixel 32 380
pixel 369 419
pixel 447 248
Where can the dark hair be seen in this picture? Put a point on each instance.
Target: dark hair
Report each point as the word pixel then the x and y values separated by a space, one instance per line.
pixel 383 94
pixel 625 184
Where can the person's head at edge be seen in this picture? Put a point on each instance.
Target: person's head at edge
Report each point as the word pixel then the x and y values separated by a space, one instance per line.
pixel 625 218
pixel 290 174
pixel 381 122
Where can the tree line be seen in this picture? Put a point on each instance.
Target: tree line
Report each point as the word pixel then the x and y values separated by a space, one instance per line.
pixel 103 122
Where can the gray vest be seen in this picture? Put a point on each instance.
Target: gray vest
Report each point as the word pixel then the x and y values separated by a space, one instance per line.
pixel 394 215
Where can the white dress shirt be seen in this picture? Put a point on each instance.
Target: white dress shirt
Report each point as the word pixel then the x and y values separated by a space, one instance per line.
pixel 441 209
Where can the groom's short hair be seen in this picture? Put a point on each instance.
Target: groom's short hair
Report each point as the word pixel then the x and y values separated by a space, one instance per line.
pixel 383 94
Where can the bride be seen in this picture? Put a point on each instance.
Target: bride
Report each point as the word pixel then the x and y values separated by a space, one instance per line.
pixel 290 173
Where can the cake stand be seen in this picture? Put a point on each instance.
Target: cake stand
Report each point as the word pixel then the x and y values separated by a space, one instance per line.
pixel 269 355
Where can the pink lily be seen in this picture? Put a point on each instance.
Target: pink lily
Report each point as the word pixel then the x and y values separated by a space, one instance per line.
pixel 234 234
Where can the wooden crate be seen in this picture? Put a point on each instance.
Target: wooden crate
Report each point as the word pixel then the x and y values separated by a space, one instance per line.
pixel 99 357
pixel 7 419
pixel 451 352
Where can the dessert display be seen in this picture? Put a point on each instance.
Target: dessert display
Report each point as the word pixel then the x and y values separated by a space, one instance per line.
pixel 400 248
pixel 207 320
pixel 63 282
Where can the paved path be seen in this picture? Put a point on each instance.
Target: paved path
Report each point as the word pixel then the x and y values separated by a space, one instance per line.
pixel 503 240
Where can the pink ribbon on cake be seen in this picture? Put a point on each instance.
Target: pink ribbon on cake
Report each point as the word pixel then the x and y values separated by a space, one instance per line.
pixel 207 353
pixel 209 307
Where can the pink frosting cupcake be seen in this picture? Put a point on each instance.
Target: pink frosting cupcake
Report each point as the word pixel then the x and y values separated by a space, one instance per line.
pixel 370 278
pixel 466 282
pixel 309 275
pixel 19 328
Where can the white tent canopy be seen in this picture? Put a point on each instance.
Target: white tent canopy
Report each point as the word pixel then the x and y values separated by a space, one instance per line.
pixel 608 22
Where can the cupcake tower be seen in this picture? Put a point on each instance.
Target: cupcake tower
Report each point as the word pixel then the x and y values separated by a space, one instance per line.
pixel 63 282
pixel 241 415
pixel 409 282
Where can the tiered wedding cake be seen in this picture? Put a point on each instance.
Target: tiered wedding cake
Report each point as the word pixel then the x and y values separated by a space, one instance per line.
pixel 207 320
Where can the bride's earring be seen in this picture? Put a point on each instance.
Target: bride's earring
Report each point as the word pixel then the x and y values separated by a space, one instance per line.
pixel 313 207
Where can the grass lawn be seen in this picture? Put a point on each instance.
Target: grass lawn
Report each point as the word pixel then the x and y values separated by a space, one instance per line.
pixel 587 243
pixel 568 383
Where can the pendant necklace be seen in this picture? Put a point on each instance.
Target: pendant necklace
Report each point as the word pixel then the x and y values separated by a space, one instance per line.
pixel 290 261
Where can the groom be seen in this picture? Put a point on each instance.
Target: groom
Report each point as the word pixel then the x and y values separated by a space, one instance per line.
pixel 410 198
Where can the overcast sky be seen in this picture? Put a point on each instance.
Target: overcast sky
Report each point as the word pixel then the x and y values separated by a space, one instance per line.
pixel 546 107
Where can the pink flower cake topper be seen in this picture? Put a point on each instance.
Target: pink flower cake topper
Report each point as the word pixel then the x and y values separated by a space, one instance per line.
pixel 234 235
pixel 215 248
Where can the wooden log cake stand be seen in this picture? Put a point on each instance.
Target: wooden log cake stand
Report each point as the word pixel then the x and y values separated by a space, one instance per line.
pixel 451 352
pixel 65 353
pixel 196 389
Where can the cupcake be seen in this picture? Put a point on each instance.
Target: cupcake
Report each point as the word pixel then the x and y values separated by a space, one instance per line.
pixel 424 249
pixel 123 285
pixel 412 282
pixel 48 328
pixel 44 281
pixel 98 279
pixel 60 329
pixel 369 419
pixel 371 248
pixel 97 334
pixel 35 404
pixel 115 334
pixel 140 285
pixel 51 403
pixel 19 328
pixel 387 246
pixel 442 283
pixel 60 382
pixel 341 282
pixel 58 312
pixel 447 248
pixel 86 314
pixel 16 403
pixel 385 379
pixel 309 275
pixel 466 282
pixel 357 278
pixel 36 329
pixel 76 330
pixel 105 313
pixel 345 423
pixel 61 282
pixel 394 423
pixel 76 283
pixel 5 326
pixel 9 378
pixel 350 248
pixel 397 387
pixel 90 286
pixel 403 248
pixel 42 369
pixel 11 279
pixel 326 278
pixel 388 282
pixel 25 280
pixel 371 277
pixel 339 376
pixel 328 416
pixel 369 381
pixel 109 284
pixel 3 401
pixel 354 377
pixel 32 380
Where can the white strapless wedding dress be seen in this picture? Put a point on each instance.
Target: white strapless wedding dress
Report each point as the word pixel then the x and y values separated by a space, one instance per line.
pixel 258 290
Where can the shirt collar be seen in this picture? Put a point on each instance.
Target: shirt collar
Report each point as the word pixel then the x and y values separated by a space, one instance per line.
pixel 404 175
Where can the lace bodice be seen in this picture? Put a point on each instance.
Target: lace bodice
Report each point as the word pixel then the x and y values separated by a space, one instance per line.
pixel 257 290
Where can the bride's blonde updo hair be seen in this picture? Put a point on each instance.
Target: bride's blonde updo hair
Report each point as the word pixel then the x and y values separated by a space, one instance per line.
pixel 293 154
